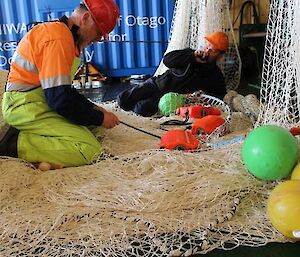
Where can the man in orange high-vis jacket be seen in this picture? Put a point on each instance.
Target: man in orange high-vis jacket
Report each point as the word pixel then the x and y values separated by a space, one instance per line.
pixel 48 118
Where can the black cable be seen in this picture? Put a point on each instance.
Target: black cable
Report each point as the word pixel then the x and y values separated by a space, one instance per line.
pixel 255 14
pixel 177 122
pixel 143 131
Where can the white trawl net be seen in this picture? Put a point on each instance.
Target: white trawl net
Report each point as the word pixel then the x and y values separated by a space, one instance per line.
pixel 141 201
pixel 192 21
pixel 137 201
pixel 280 92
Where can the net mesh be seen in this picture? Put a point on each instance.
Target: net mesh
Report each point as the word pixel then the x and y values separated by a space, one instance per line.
pixel 137 200
pixel 280 79
pixel 149 203
pixel 192 21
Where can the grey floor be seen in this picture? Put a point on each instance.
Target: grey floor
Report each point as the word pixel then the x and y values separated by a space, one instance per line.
pixel 108 91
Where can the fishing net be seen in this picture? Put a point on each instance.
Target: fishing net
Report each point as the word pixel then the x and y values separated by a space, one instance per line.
pixel 135 200
pixel 138 200
pixel 281 70
pixel 147 203
pixel 192 21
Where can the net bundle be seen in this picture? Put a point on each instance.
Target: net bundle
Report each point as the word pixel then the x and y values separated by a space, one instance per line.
pixel 192 21
pixel 280 99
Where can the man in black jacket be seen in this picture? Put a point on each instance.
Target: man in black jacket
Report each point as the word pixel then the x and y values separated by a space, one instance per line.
pixel 189 71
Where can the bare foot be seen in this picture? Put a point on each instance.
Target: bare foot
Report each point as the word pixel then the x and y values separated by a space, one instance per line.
pixel 44 166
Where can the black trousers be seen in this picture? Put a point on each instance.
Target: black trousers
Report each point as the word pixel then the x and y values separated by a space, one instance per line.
pixel 9 141
pixel 142 99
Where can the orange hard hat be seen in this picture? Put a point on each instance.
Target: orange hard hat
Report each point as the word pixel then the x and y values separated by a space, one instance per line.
pixel 104 12
pixel 219 40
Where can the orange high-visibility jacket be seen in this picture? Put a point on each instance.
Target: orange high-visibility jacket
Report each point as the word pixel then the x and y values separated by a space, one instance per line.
pixel 44 57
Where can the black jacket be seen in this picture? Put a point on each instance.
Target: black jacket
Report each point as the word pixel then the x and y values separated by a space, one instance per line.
pixel 185 75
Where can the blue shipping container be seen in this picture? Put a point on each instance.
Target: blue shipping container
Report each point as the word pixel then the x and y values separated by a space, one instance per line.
pixel 135 46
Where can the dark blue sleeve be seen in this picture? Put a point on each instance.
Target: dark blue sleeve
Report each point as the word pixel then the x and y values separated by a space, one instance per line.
pixel 70 104
pixel 179 58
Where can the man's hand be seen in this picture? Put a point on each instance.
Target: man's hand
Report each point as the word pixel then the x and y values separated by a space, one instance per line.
pixel 110 120
pixel 201 56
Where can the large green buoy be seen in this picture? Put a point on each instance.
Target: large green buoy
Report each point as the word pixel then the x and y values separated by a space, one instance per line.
pixel 169 102
pixel 270 152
